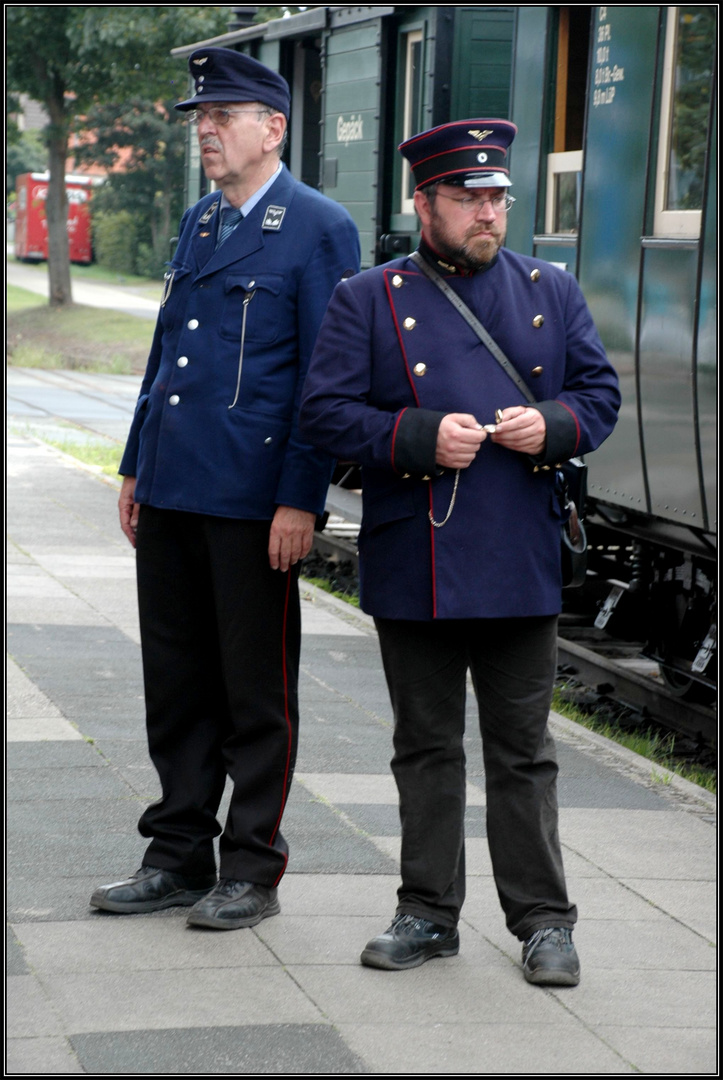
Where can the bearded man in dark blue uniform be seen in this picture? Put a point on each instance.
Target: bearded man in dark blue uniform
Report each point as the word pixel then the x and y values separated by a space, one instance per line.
pixel 220 495
pixel 460 539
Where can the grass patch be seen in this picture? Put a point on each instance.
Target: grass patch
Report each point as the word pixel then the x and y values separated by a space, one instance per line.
pixel 106 456
pixel 76 338
pixel 17 299
pixel 322 583
pixel 657 746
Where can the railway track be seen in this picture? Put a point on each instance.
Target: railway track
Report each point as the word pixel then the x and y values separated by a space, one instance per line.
pixel 603 669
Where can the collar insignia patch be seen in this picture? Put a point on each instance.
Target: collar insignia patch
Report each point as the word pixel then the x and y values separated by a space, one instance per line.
pixel 204 220
pixel 273 217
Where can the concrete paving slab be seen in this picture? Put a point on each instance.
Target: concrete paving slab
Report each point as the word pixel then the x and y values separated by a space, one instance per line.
pixel 694 903
pixel 203 997
pixel 443 991
pixel 342 895
pixel 76 753
pixel 279 1049
pixel 41 1057
pixel 113 944
pixel 318 939
pixel 664 1051
pixel 642 997
pixel 646 843
pixel 481 1048
pixel 15 963
pixel 607 944
pixel 29 1010
pixel 41 785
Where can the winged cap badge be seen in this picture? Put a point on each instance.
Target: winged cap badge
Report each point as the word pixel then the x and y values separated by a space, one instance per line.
pixel 202 60
pixel 480 135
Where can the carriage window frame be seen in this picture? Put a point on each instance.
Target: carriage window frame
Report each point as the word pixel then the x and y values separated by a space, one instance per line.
pixel 670 223
pixel 412 107
pixel 565 163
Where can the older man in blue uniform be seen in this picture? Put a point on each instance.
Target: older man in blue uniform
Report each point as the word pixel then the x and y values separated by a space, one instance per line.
pixel 460 539
pixel 220 496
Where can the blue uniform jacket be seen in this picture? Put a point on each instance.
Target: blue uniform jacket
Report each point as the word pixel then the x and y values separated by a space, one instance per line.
pixel 392 358
pixel 204 439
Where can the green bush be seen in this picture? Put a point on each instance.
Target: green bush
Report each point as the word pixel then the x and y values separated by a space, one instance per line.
pixel 115 240
pixel 149 264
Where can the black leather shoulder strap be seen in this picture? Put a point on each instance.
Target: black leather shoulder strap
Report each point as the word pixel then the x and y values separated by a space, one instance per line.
pixel 476 325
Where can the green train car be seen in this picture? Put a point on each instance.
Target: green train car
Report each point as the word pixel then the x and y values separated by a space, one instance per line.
pixel 614 177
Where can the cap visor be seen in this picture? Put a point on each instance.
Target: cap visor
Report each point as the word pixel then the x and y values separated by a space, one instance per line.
pixel 486 180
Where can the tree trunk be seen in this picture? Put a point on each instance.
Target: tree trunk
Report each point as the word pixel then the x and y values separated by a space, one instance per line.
pixel 56 209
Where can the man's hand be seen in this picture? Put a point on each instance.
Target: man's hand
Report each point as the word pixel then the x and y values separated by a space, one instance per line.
pixel 291 537
pixel 128 508
pixel 522 429
pixel 458 439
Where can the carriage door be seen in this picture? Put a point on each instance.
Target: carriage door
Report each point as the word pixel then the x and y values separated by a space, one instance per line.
pixel 351 109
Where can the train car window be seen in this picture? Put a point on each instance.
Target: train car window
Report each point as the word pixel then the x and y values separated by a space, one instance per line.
pixel 412 54
pixel 564 164
pixel 564 189
pixel 684 119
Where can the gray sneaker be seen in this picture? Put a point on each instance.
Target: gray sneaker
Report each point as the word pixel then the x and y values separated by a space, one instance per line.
pixel 549 958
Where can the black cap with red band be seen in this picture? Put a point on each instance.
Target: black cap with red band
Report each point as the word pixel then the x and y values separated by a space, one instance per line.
pixel 470 153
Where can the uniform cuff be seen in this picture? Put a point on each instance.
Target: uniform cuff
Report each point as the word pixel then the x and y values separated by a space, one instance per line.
pixel 415 442
pixel 562 433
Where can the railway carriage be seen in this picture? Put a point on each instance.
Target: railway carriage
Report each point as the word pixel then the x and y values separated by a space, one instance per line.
pixel 614 177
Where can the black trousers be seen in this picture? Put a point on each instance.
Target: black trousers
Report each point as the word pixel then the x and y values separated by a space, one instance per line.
pixel 220 638
pixel 513 663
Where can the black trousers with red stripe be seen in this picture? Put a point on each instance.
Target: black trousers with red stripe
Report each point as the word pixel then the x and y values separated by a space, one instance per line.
pixel 220 639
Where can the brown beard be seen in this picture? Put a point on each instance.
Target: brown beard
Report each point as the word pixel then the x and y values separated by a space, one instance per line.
pixel 471 255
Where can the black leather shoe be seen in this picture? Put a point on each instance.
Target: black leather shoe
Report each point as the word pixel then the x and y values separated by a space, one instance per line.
pixel 549 958
pixel 408 942
pixel 233 904
pixel 151 889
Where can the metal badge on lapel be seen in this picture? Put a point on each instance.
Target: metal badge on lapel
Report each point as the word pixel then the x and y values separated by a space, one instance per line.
pixel 205 218
pixel 273 217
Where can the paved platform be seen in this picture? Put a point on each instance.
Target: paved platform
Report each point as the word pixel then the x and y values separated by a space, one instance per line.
pixel 89 992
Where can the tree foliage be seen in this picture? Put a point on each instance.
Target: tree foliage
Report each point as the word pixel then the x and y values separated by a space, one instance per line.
pixel 74 58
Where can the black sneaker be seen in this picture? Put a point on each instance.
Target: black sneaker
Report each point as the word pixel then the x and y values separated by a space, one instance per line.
pixel 151 889
pixel 549 958
pixel 408 942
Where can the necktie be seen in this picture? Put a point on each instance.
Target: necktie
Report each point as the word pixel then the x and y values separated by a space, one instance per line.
pixel 230 218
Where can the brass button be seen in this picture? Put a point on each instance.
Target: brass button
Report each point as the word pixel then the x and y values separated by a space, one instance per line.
pixel 535 275
pixel 536 371
pixel 397 281
pixel 409 324
pixel 420 369
pixel 538 321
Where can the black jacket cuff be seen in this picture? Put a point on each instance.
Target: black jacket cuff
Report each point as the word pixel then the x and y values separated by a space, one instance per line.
pixel 415 443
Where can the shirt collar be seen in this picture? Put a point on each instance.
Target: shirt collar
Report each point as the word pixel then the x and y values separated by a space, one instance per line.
pixel 256 197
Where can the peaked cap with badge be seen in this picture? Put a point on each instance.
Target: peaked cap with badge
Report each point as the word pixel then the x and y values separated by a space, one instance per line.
pixel 227 75
pixel 469 153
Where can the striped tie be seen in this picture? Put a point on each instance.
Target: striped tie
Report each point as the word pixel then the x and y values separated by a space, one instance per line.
pixel 230 218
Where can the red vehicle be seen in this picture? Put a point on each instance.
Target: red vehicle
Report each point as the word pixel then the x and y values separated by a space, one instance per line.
pixel 31 226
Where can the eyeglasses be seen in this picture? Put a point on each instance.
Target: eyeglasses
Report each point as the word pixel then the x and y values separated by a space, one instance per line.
pixel 468 203
pixel 219 117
